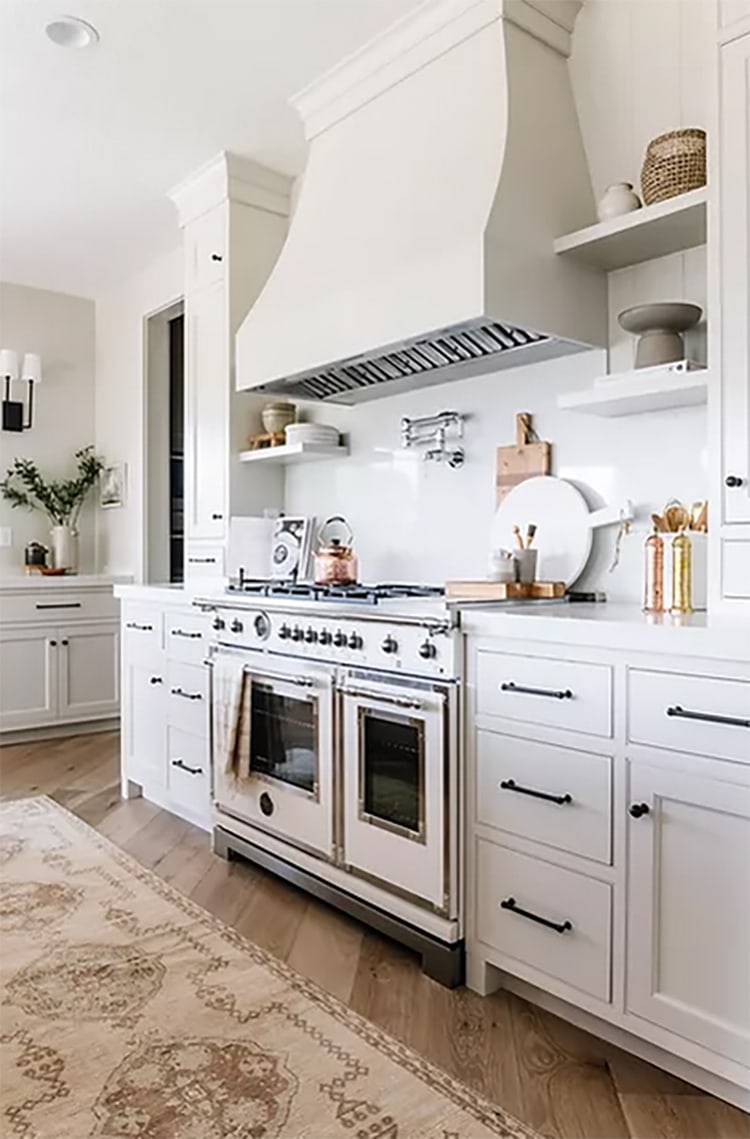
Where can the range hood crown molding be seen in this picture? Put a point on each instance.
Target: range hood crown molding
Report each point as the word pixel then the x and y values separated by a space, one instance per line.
pixel 414 41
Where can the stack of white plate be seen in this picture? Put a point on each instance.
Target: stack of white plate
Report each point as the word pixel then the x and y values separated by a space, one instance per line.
pixel 317 433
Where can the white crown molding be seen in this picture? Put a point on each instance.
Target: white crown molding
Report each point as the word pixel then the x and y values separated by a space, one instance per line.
pixel 423 35
pixel 231 178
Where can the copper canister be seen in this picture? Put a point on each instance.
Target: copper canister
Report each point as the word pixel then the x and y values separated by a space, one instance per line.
pixel 653 592
pixel 682 574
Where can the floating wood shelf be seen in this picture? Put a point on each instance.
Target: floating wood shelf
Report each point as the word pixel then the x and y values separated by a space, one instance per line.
pixel 654 231
pixel 294 453
pixel 636 392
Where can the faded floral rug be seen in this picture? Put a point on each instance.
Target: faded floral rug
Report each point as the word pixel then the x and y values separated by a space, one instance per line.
pixel 130 1013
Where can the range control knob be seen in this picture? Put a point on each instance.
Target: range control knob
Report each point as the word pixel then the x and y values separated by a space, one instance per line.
pixel 389 645
pixel 284 633
pixel 237 626
pixel 297 633
pixel 427 650
pixel 310 636
pixel 218 623
pixel 340 640
pixel 262 626
pixel 324 637
pixel 355 641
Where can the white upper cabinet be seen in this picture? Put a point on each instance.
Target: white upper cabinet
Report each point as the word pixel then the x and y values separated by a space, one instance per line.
pixel 733 14
pixel 688 943
pixel 205 250
pixel 206 413
pixel 734 277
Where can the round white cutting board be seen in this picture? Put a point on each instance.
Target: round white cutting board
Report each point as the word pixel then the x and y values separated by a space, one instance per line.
pixel 563 521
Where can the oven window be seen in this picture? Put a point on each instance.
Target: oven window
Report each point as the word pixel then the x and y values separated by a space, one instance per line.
pixel 392 772
pixel 284 738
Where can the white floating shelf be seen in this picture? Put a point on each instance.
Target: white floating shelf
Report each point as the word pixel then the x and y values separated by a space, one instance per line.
pixel 294 453
pixel 653 231
pixel 634 393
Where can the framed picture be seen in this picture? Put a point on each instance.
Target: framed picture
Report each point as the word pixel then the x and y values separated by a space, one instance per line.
pixel 291 546
pixel 112 487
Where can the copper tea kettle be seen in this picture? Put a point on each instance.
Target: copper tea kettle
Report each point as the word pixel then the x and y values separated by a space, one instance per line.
pixel 335 561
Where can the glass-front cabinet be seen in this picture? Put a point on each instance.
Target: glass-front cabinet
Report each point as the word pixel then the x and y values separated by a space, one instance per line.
pixel 283 774
pixel 395 786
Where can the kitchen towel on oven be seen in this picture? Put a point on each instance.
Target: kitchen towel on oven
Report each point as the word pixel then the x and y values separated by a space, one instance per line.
pixel 229 682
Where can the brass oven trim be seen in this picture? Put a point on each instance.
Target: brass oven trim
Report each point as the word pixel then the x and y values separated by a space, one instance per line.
pixel 420 835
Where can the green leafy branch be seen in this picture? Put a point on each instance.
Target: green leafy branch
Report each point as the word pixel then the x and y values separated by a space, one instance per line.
pixel 60 499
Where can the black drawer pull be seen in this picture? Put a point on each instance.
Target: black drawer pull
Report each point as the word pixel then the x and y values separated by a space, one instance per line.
pixel 184 767
pixel 707 717
pixel 186 695
pixel 511 785
pixel 555 694
pixel 558 926
pixel 186 633
pixel 141 628
pixel 58 605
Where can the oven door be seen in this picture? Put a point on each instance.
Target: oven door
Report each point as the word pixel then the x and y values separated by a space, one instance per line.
pixel 284 783
pixel 396 782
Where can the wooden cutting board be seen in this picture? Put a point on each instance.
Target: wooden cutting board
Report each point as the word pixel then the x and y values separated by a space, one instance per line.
pixel 504 590
pixel 526 459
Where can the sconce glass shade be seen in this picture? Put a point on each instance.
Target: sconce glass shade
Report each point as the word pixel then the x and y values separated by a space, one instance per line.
pixel 31 369
pixel 8 363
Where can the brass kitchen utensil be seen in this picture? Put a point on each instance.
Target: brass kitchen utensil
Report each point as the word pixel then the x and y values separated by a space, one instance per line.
pixel 699 517
pixel 659 523
pixel 519 536
pixel 676 516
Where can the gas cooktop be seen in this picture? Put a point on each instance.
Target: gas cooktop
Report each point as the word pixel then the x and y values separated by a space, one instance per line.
pixel 308 591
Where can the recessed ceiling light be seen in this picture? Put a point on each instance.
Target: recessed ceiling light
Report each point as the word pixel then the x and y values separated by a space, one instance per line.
pixel 69 31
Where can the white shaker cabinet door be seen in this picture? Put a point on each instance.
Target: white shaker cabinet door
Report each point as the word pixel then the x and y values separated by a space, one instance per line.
pixel 734 206
pixel 28 677
pixel 206 414
pixel 145 722
pixel 688 946
pixel 89 672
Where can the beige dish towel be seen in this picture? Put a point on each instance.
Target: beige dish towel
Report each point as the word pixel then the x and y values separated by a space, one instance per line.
pixel 229 684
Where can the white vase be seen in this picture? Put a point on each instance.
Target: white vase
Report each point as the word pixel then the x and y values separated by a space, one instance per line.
pixel 64 548
pixel 617 199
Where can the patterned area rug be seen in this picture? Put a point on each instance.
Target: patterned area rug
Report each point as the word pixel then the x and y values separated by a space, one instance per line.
pixel 130 1013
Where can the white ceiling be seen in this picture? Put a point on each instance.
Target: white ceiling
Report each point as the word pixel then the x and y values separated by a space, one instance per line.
pixel 90 141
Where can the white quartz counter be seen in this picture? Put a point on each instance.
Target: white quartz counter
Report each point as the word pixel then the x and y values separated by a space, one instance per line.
pixel 167 594
pixel 609 626
pixel 15 582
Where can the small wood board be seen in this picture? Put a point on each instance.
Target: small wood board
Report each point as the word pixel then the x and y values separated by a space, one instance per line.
pixel 524 460
pixel 259 442
pixel 504 590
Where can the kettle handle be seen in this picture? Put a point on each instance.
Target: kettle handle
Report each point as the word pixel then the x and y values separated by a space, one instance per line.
pixel 336 518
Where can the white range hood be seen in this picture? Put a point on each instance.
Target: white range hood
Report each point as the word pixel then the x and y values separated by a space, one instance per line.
pixel 444 159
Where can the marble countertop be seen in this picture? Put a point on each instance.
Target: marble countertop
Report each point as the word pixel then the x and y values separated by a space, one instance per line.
pixel 23 581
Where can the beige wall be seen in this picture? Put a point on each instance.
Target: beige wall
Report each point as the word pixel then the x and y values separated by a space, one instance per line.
pixel 120 402
pixel 60 328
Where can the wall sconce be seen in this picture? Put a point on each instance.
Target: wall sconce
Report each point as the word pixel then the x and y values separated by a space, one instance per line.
pixel 31 373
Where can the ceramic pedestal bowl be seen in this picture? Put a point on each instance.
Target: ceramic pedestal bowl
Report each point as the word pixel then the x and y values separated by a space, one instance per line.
pixel 659 329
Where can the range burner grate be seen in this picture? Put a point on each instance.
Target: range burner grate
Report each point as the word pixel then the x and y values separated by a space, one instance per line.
pixel 357 593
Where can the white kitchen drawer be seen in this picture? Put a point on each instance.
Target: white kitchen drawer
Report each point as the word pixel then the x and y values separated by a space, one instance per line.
pixel 735 579
pixel 188 771
pixel 204 562
pixel 578 953
pixel 575 816
pixel 53 606
pixel 188 697
pixel 142 632
pixel 662 710
pixel 205 249
pixel 536 690
pixel 186 636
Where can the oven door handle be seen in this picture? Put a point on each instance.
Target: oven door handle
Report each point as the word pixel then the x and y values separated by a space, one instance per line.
pixel 400 702
pixel 300 681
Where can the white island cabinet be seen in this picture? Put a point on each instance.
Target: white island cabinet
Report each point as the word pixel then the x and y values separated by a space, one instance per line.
pixel 59 655
pixel 608 832
pixel 166 701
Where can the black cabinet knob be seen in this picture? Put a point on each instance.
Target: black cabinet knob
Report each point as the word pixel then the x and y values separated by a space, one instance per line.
pixel 156 680
pixel 637 810
pixel 53 644
pixel 216 517
pixel 216 257
pixel 733 481
pixel 65 642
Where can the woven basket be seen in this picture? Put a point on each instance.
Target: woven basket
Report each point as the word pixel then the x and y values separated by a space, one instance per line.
pixel 675 163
